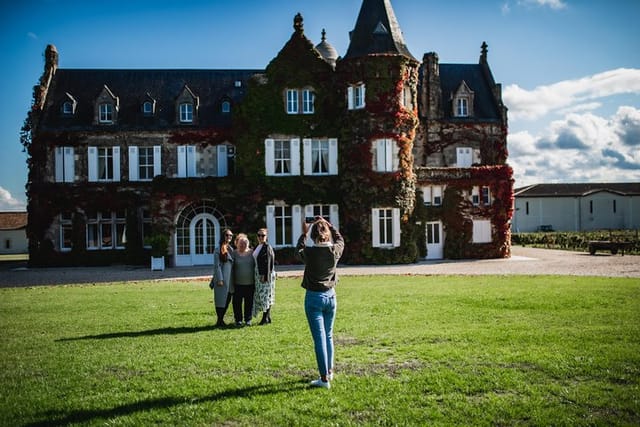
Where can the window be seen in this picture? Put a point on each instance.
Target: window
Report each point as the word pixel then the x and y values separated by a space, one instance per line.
pixel 356 96
pixel 328 212
pixel 464 157
pixel 144 163
pixel 432 195
pixel 462 107
pixel 308 99
pixel 481 231
pixel 148 108
pixel 104 164
pixel 67 108
pixel 407 97
pixel 65 164
pixel 320 156
pixel 590 206
pixel 385 158
pixel 106 230
pixel 614 207
pixel 480 195
pixel 225 107
pixel 186 113
pixel 66 232
pixel 202 161
pixel 146 226
pixel 292 101
pixel 7 244
pixel 282 157
pixel 526 208
pixel 385 227
pixel 280 224
pixel 105 112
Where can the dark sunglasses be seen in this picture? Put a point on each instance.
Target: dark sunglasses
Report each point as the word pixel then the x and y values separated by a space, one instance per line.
pixel 261 235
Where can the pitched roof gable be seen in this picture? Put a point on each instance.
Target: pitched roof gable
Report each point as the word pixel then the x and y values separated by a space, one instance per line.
pixel 452 76
pixel 578 189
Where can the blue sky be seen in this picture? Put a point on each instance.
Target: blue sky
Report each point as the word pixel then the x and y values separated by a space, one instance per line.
pixel 570 69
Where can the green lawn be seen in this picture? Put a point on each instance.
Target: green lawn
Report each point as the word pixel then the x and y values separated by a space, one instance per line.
pixel 411 350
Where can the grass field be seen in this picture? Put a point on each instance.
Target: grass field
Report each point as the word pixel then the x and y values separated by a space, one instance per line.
pixel 428 350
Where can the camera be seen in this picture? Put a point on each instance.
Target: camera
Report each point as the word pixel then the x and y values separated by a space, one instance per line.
pixel 310 219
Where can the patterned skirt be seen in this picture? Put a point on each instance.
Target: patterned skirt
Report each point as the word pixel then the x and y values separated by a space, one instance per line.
pixel 265 294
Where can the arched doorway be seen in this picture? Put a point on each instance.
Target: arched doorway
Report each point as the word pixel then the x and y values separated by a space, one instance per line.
pixel 197 234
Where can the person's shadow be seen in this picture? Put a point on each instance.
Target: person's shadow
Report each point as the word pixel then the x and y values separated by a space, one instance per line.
pixel 62 417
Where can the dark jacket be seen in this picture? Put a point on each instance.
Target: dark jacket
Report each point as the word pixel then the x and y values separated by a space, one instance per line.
pixel 320 262
pixel 265 260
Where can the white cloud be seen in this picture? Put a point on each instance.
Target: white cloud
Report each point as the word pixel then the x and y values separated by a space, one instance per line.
pixel 579 148
pixel 9 203
pixel 32 35
pixel 569 94
pixel 553 4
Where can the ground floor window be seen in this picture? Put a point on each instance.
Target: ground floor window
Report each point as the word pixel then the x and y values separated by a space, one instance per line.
pixel 106 230
pixel 284 222
pixel 481 231
pixel 385 227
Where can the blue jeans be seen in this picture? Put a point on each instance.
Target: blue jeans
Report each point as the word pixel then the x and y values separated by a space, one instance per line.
pixel 320 308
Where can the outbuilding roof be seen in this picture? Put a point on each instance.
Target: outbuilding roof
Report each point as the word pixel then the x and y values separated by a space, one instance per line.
pixel 13 220
pixel 578 189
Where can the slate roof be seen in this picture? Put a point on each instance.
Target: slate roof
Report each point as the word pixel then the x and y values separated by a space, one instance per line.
pixel 484 105
pixel 13 220
pixel 577 190
pixel 377 32
pixel 133 87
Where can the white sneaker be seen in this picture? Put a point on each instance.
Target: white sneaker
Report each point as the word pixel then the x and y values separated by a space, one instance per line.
pixel 320 383
pixel 330 376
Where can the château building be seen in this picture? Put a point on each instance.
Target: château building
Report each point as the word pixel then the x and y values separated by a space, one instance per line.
pixel 406 156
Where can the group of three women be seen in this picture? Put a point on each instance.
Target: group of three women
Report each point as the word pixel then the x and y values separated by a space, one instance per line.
pixel 244 277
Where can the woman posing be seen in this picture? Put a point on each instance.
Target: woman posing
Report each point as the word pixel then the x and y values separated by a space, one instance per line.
pixel 222 281
pixel 319 279
pixel 265 294
pixel 244 267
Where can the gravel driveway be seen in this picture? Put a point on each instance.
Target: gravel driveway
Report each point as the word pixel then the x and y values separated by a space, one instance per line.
pixel 524 261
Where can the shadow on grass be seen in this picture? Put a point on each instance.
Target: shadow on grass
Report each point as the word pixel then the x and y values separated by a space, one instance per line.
pixel 160 331
pixel 59 418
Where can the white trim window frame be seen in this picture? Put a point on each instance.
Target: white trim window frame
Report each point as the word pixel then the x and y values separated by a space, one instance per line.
pixel 462 107
pixel 284 223
pixel 308 101
pixel 105 113
pixel 464 157
pixel 65 170
pixel 282 157
pixel 432 195
pixel 356 96
pixel 106 230
pixel 66 232
pixel 292 101
pixel 186 112
pixel 320 156
pixel 104 164
pixel 481 231
pixel 385 227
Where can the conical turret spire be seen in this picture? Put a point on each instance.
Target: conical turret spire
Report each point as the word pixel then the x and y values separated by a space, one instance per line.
pixel 377 31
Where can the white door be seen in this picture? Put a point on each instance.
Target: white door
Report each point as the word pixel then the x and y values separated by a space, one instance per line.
pixel 435 242
pixel 203 232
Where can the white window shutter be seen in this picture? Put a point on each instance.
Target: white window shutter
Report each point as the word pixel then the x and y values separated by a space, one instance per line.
pixel 396 227
pixel 182 161
pixel 191 160
pixel 59 164
pixel 308 210
pixel 222 160
pixel 334 216
pixel 363 95
pixel 380 155
pixel 333 156
pixel 295 156
pixel 271 221
pixel 157 160
pixel 307 168
pixel 375 230
pixel 92 164
pixel 133 163
pixel 116 164
pixel 297 219
pixel 390 146
pixel 69 164
pixel 269 158
pixel 426 195
pixel 350 97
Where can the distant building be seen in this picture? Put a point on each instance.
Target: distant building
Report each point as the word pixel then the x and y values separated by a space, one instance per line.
pixel 13 234
pixel 577 207
pixel 407 157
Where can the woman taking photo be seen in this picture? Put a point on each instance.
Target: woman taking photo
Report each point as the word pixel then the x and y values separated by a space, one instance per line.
pixel 319 279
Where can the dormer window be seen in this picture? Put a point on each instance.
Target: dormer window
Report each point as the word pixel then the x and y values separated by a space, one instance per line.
pixel 186 113
pixel 356 96
pixel 147 108
pixel 298 97
pixel 225 107
pixel 106 107
pixel 105 113
pixel 68 107
pixel 463 101
pixel 186 106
